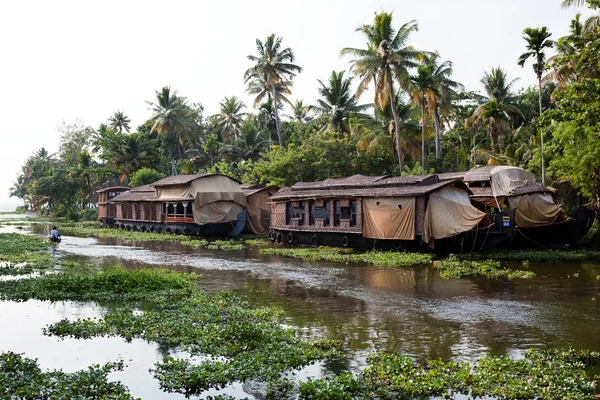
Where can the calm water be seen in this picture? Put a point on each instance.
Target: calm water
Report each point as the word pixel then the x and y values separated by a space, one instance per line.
pixel 412 310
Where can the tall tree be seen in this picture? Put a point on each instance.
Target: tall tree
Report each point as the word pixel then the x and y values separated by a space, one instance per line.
pixel 274 65
pixel 422 84
pixel 497 111
pixel 170 115
pixel 120 122
pixel 230 119
pixel 301 112
pixel 337 104
pixel 537 40
pixel 387 57
pixel 592 23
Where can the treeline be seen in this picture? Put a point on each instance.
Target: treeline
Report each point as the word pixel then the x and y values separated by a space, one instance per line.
pixel 419 121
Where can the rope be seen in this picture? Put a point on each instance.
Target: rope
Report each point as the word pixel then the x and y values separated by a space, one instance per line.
pixel 486 236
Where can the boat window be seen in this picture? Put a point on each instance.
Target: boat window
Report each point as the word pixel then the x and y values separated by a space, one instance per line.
pixel 337 213
pixel 288 213
pixel 345 213
pixel 111 194
pixel 179 209
pixel 322 213
pixel 311 212
pixel 298 212
pixel 352 213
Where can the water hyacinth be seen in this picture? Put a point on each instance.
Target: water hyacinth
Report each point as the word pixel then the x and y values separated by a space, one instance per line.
pixel 387 259
pixel 22 378
pixel 452 267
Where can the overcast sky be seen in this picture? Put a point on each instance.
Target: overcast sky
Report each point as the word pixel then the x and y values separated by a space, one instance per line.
pixel 66 60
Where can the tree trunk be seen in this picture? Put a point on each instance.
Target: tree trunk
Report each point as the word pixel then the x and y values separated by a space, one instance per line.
pixel 541 131
pixel 423 132
pixel 277 118
pixel 438 133
pixel 396 127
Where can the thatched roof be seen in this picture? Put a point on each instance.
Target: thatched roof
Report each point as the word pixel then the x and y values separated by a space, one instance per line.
pixel 350 182
pixel 139 193
pixel 184 179
pixel 250 190
pixel 358 192
pixel 527 189
pixel 479 174
pixel 113 188
pixel 451 176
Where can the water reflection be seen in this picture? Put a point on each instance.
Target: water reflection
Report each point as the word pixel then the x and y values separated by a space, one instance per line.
pixel 413 310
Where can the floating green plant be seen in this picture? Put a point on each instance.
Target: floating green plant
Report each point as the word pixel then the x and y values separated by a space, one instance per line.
pixel 452 267
pixel 22 378
pixel 388 259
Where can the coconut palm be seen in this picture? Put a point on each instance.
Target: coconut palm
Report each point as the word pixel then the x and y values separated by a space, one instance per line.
pixel 230 119
pixel 119 122
pixel 592 23
pixel 337 104
pixel 497 112
pixel 422 84
pixel 273 67
pixel 170 115
pixel 301 112
pixel 567 48
pixel 132 155
pixel 439 101
pixel 382 136
pixel 387 57
pixel 537 40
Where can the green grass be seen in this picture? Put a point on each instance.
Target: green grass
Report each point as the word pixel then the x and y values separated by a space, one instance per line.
pixel 539 255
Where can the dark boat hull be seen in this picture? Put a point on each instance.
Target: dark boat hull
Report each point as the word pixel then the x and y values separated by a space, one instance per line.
pixel 221 229
pixel 555 236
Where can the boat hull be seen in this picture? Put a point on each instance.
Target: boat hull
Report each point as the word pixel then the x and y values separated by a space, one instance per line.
pixel 555 236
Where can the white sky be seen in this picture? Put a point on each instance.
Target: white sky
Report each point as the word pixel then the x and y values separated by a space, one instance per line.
pixel 61 60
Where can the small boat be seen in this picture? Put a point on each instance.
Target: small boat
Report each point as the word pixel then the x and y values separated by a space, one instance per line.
pixel 55 240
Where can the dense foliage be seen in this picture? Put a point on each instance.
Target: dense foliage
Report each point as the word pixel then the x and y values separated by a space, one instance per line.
pixel 419 114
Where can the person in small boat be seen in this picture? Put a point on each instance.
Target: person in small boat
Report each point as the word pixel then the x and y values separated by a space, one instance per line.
pixel 54 234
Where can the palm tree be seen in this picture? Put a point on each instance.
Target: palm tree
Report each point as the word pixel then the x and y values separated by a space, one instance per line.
pixel 231 118
pixel 440 100
pixel 592 23
pixel 119 122
pixel 497 112
pixel 301 112
pixel 383 134
pixel 337 104
pixel 564 62
pixel 422 84
pixel 386 57
pixel 170 114
pixel 274 66
pixel 132 155
pixel 537 40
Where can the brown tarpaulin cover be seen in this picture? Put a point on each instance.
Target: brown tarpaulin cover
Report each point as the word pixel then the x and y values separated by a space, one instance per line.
pixel 389 218
pixel 449 212
pixel 535 209
pixel 257 202
pixel 495 202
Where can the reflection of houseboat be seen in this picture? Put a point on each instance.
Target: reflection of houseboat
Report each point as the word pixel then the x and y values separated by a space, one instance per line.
pixel 106 209
pixel 539 221
pixel 385 212
pixel 211 204
pixel 259 211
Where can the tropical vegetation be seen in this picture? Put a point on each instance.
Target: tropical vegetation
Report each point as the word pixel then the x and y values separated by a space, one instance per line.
pixel 419 120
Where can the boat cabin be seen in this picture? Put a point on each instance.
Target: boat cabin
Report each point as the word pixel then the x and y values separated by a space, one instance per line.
pixel 106 209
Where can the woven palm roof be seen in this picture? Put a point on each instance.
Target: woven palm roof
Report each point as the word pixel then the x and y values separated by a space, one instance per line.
pixel 451 176
pixel 139 193
pixel 358 192
pixel 113 188
pixel 184 179
pixel 249 191
pixel 479 174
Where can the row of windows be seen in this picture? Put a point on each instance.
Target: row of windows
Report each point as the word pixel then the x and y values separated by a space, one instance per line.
pixel 177 210
pixel 322 213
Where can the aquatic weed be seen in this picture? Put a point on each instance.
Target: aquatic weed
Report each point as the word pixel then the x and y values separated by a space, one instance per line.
pixel 388 259
pixel 22 378
pixel 453 268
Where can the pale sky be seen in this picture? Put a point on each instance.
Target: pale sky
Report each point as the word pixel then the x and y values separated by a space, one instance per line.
pixel 66 60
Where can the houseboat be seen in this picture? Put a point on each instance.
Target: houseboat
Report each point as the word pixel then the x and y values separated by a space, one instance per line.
pixel 409 212
pixel 539 221
pixel 210 204
pixel 106 209
pixel 259 211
